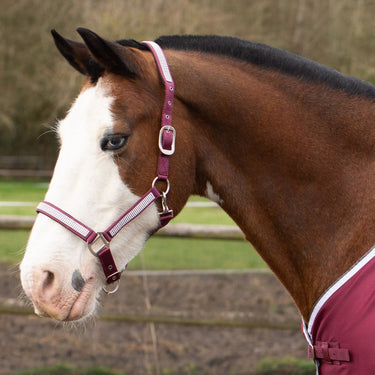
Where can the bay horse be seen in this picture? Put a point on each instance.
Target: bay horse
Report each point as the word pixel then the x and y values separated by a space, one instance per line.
pixel 284 145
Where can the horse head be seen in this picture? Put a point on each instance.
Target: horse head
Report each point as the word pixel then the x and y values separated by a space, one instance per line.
pixel 108 159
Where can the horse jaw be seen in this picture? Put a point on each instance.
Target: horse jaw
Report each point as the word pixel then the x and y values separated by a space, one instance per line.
pixel 87 185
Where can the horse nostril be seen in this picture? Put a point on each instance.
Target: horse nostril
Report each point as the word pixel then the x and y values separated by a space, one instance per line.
pixel 48 279
pixel 77 281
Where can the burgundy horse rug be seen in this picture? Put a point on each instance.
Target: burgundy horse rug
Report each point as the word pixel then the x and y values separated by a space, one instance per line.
pixel 341 329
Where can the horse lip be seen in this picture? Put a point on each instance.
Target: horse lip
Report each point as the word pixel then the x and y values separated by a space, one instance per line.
pixel 80 306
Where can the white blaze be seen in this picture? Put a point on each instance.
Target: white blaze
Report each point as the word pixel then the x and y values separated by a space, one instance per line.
pixel 87 185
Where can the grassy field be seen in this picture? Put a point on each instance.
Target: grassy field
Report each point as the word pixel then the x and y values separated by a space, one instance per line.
pixel 63 369
pixel 267 366
pixel 158 254
pixel 32 192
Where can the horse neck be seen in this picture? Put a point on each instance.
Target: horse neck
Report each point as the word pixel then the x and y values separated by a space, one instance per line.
pixel 292 166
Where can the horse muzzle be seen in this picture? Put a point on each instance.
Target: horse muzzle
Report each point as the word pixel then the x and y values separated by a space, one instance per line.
pixel 52 296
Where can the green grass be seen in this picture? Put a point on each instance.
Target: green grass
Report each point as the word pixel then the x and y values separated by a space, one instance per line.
pixel 21 191
pixel 62 369
pixel 285 366
pixel 180 253
pixel 12 245
pixel 266 366
pixel 160 253
pixel 20 211
pixel 203 215
pixel 31 191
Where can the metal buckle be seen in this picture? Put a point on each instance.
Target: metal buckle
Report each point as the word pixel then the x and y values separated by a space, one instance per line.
pixel 167 128
pixel 105 243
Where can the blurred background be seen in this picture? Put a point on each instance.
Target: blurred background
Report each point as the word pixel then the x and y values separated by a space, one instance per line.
pixel 37 85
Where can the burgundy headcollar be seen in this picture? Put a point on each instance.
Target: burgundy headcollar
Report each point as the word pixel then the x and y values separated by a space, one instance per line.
pixel 99 242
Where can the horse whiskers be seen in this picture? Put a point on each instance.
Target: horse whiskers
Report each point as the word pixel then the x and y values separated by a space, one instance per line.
pixel 24 300
pixel 14 269
pixel 50 129
pixel 80 326
pixel 54 127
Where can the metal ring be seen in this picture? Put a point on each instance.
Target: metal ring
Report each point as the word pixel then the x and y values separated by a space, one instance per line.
pixel 105 243
pixel 168 184
pixel 114 290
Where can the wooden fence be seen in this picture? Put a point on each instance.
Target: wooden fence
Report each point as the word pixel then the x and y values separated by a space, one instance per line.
pixel 29 166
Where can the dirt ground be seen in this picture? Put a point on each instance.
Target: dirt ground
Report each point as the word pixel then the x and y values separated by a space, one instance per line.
pixel 203 324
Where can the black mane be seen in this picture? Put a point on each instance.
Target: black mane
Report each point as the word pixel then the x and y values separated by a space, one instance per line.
pixel 266 57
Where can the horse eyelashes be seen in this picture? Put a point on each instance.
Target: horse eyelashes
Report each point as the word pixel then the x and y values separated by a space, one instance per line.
pixel 113 142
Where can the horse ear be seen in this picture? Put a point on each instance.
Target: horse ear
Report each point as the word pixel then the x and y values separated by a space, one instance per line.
pixel 114 57
pixel 77 55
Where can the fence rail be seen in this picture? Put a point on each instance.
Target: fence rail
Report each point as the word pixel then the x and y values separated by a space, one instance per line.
pixel 29 166
pixel 172 230
pixel 25 173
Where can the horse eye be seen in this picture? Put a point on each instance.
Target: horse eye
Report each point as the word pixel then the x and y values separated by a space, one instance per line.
pixel 113 142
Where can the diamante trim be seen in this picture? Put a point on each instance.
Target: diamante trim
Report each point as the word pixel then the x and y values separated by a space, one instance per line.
pixel 66 220
pixel 161 60
pixel 142 205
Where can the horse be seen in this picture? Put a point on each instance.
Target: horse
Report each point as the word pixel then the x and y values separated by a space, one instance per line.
pixel 283 144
